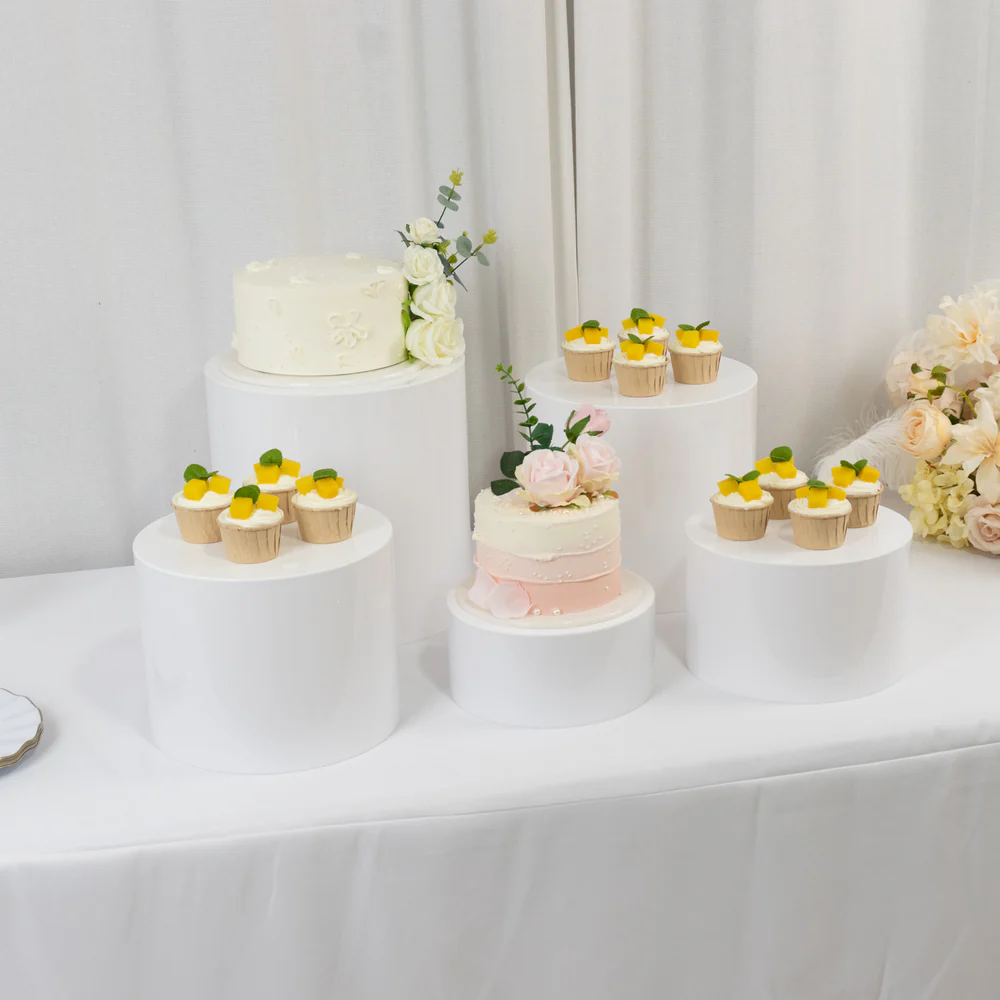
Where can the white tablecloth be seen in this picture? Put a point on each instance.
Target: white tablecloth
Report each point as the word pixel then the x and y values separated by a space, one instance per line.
pixel 702 847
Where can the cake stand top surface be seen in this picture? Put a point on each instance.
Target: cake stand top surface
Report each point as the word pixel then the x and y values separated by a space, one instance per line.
pixel 225 368
pixel 890 533
pixel 550 379
pixel 160 546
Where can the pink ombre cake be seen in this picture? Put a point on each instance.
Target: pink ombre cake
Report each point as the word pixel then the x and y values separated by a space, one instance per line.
pixel 565 558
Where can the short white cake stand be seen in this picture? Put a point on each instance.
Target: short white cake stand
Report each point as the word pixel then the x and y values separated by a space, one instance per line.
pixel 776 622
pixel 398 436
pixel 674 448
pixel 546 672
pixel 279 666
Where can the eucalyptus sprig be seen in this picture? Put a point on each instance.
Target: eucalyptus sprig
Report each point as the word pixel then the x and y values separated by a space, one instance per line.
pixel 940 375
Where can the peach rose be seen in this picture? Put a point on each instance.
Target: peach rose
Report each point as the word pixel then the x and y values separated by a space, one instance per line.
pixel 926 431
pixel 550 478
pixel 900 380
pixel 983 523
pixel 599 465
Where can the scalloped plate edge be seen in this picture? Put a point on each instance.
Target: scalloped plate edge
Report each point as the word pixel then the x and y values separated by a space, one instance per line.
pixel 11 759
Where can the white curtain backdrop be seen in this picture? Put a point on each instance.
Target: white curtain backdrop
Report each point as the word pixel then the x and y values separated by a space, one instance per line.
pixel 812 177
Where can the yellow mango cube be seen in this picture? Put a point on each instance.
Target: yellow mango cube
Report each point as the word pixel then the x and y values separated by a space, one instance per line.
pixel 632 350
pixel 836 493
pixel 658 320
pixel 842 475
pixel 219 484
pixel 305 484
pixel 628 324
pixel 712 335
pixel 241 508
pixel 645 326
pixel 327 488
pixel 785 469
pixel 727 486
pixel 802 492
pixel 290 468
pixel 575 334
pixel 340 481
pixel 817 497
pixel 869 474
pixel 764 466
pixel 267 501
pixel 751 490
pixel 655 347
pixel 267 475
pixel 689 338
pixel 592 336
pixel 195 489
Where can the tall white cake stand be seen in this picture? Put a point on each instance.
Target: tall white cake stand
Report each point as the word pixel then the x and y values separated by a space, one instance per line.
pixel 775 622
pixel 674 448
pixel 279 666
pixel 397 435
pixel 549 672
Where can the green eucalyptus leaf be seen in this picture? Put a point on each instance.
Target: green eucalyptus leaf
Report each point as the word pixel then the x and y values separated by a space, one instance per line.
pixel 442 200
pixel 325 474
pixel 464 246
pixel 451 206
pixel 481 257
pixel 509 461
pixel 502 486
pixel 248 491
pixel 195 471
pixel 272 457
pixel 751 476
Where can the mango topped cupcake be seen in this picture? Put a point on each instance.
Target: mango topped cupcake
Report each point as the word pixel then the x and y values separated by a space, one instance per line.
pixel 861 484
pixel 819 515
pixel 695 353
pixel 781 479
pixel 251 528
pixel 197 505
pixel 641 365
pixel 276 474
pixel 324 507
pixel 741 507
pixel 645 325
pixel 588 351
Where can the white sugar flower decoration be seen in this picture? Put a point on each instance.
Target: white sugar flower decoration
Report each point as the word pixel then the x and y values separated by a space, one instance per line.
pixel 976 447
pixel 968 329
pixel 347 330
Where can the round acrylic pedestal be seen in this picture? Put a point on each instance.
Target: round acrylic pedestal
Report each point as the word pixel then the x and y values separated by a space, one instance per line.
pixel 674 448
pixel 278 666
pixel 551 673
pixel 397 436
pixel 775 622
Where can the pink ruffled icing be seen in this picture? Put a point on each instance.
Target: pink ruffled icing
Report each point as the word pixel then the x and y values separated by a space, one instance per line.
pixel 575 568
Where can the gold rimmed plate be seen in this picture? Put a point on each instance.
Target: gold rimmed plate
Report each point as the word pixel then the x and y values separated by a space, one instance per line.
pixel 20 727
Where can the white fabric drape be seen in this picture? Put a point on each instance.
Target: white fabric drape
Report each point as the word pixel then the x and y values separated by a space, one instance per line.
pixel 149 150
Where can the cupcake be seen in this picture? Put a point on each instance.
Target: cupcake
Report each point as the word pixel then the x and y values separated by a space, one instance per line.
pixel 251 528
pixel 695 353
pixel 276 474
pixel 741 508
pixel 197 506
pixel 588 351
pixel 860 483
pixel 819 515
pixel 641 367
pixel 645 325
pixel 781 479
pixel 323 507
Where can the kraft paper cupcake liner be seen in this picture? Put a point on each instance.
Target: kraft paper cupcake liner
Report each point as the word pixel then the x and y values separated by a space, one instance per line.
pixel 588 366
pixel 783 496
pixel 199 525
pixel 640 380
pixel 284 501
pixel 321 527
pixel 251 545
pixel 695 369
pixel 864 510
pixel 741 524
pixel 819 531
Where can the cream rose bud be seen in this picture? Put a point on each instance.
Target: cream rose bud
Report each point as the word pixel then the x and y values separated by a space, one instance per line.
pixel 599 465
pixel 550 478
pixel 421 264
pixel 926 431
pixel 436 341
pixel 435 299
pixel 424 231
pixel 983 523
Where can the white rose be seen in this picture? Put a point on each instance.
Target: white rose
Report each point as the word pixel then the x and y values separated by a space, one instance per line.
pixel 421 264
pixel 436 341
pixel 435 299
pixel 424 231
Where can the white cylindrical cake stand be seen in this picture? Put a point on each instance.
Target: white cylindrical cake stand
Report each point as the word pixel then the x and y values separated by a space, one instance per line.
pixel 775 622
pixel 549 673
pixel 397 436
pixel 674 448
pixel 278 666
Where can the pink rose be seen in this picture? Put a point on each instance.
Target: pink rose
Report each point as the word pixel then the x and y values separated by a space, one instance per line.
pixel 550 478
pixel 983 523
pixel 599 465
pixel 599 422
pixel 926 431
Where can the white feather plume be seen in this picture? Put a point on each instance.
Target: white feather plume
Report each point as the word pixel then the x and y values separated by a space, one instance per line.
pixel 876 438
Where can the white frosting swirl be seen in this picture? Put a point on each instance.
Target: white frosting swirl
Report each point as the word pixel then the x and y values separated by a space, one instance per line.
pixel 313 501
pixel 258 519
pixel 645 361
pixel 735 500
pixel 773 479
pixel 284 483
pixel 584 348
pixel 210 501
pixel 704 347
pixel 658 334
pixel 800 505
pixel 860 488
